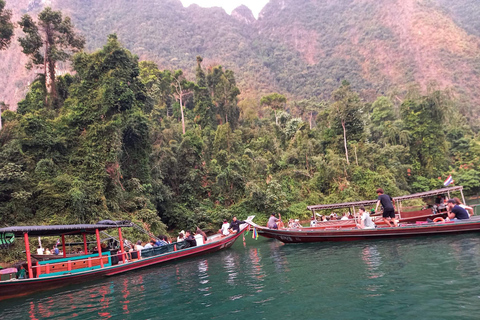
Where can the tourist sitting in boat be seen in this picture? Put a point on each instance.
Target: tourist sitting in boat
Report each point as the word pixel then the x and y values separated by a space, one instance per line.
pixel 235 225
pixel 455 212
pixel 345 216
pixel 47 251
pixel 469 209
pixel 104 247
pixel 180 237
pixel 189 240
pixel 350 216
pixel 313 221
pixel 366 221
pixel 294 224
pixel 200 232
pixel 21 273
pixel 56 251
pixel 39 250
pixel 225 229
pixel 272 221
pixel 149 245
pixel 138 246
pixel 323 218
pixel 161 241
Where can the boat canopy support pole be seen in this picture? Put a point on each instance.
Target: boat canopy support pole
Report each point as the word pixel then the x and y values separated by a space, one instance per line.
pixel 463 197
pixel 121 244
pixel 99 247
pixel 85 247
pixel 448 192
pixel 29 259
pixel 399 209
pixel 63 246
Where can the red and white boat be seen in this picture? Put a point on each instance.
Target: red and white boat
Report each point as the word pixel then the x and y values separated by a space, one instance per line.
pixel 43 275
pixel 352 234
pixel 402 215
pixel 412 223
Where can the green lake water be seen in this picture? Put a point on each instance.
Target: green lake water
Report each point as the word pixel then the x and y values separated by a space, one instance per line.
pixel 419 278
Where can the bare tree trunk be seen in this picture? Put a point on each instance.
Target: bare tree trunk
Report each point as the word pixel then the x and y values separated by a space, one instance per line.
pixel 53 86
pixel 356 158
pixel 183 117
pixel 311 117
pixel 276 119
pixel 46 72
pixel 345 140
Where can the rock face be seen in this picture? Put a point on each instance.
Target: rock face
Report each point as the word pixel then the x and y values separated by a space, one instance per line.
pixel 303 48
pixel 243 14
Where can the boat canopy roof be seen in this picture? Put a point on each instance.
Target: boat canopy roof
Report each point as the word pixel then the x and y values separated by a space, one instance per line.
pixel 371 202
pixel 56 230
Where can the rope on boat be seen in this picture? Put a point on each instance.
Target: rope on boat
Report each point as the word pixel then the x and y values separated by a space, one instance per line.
pixel 144 231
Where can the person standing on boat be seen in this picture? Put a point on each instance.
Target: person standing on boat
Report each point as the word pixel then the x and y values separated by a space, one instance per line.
pixel 455 211
pixel 388 205
pixel 366 221
pixel 272 221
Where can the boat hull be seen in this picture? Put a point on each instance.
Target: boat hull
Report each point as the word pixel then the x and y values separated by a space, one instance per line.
pixel 300 236
pixel 17 288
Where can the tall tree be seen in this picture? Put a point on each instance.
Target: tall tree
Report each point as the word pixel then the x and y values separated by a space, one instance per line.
pixel 424 118
pixel 48 41
pixel 6 26
pixel 310 106
pixel 181 87
pixel 224 92
pixel 347 109
pixel 204 108
pixel 274 101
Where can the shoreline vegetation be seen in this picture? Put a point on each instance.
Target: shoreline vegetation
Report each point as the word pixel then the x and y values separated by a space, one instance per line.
pixel 118 138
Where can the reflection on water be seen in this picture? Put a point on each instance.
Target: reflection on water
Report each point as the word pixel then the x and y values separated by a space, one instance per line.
pixel 434 277
pixel 373 260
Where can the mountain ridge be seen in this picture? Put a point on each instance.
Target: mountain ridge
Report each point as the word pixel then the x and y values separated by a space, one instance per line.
pixel 300 48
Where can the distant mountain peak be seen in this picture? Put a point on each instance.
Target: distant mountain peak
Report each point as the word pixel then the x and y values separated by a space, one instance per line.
pixel 243 14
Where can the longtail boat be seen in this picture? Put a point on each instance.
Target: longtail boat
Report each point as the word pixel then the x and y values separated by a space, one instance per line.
pixel 351 234
pixel 44 275
pixel 413 223
pixel 402 215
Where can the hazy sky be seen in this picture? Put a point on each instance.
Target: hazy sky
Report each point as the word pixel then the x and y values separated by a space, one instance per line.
pixel 255 5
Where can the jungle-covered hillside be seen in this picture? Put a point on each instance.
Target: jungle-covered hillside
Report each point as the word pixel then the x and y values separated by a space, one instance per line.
pixel 301 48
pixel 120 137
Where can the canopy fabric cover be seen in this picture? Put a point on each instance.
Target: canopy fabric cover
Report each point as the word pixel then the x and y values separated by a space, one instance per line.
pixel 57 230
pixel 371 202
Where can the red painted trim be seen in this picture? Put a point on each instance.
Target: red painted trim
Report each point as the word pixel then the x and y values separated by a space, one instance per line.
pixel 342 234
pixel 99 247
pixel 121 244
pixel 85 248
pixel 27 252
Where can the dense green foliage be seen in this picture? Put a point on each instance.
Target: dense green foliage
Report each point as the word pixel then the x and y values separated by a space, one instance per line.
pixel 6 26
pixel 115 148
pixel 48 41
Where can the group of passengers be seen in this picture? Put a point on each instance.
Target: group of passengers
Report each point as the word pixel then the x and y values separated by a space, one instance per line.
pixel 47 251
pixel 229 228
